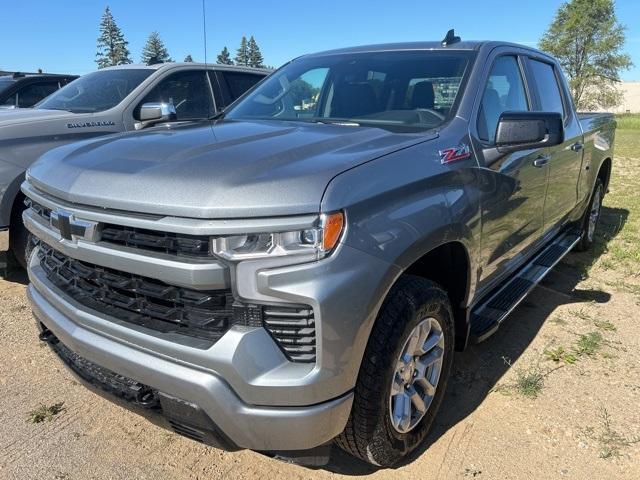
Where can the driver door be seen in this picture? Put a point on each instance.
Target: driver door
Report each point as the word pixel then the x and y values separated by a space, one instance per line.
pixel 189 92
pixel 513 184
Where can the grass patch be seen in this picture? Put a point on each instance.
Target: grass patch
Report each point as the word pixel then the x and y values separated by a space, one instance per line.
pixel 45 412
pixel 560 355
pixel 588 344
pixel 628 121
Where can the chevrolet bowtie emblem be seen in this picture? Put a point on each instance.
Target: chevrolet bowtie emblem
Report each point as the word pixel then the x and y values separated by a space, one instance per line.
pixel 72 228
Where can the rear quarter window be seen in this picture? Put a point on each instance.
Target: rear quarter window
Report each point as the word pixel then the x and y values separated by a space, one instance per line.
pixel 546 81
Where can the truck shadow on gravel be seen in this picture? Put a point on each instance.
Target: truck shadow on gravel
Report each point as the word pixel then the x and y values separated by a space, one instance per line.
pixel 11 271
pixel 477 370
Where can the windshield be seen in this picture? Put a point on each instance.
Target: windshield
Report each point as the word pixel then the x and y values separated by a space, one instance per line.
pixel 96 92
pixel 405 89
pixel 5 82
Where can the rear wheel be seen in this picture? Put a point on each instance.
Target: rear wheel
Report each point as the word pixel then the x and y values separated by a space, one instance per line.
pixel 403 374
pixel 591 218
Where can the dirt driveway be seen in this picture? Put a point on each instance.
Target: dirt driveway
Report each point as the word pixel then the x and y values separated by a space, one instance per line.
pixel 554 394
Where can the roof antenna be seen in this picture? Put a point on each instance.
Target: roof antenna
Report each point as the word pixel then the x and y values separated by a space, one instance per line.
pixel 450 38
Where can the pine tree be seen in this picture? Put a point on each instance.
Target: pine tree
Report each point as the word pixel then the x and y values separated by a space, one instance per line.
pixel 188 58
pixel 112 47
pixel 154 50
pixel 255 57
pixel 242 55
pixel 224 58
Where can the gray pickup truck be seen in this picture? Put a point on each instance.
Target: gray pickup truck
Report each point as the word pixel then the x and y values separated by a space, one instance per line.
pixel 300 269
pixel 110 100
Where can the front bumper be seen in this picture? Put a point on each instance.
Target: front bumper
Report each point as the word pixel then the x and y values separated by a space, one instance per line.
pixel 243 382
pixel 244 425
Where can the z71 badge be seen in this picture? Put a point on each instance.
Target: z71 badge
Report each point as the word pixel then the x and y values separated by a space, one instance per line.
pixel 454 154
pixel 106 123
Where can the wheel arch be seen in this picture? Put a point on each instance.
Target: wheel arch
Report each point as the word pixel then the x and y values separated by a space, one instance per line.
pixel 604 172
pixel 449 265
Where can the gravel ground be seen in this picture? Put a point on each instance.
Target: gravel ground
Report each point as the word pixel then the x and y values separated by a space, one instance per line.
pixel 511 411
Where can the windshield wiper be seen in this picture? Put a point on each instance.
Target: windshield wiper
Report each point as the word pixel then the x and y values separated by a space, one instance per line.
pixel 218 116
pixel 328 121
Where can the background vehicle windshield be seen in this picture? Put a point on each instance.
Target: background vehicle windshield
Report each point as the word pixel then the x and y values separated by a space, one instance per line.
pixel 95 92
pixel 5 82
pixel 409 89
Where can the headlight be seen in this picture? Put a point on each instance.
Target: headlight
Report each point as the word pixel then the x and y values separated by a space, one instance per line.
pixel 314 243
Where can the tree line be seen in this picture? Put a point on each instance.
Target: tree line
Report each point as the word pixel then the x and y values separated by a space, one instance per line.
pixel 113 48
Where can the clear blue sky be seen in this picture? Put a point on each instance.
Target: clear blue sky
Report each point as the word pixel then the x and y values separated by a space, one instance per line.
pixel 60 36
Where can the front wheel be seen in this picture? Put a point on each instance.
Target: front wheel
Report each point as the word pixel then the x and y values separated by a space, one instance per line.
pixel 591 218
pixel 19 238
pixel 403 374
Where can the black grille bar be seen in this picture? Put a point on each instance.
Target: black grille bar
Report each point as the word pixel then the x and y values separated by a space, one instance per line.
pixel 165 242
pixel 132 298
pixel 294 329
pixel 143 239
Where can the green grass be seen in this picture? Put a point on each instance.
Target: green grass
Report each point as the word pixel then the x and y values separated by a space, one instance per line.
pixel 45 412
pixel 628 121
pixel 617 249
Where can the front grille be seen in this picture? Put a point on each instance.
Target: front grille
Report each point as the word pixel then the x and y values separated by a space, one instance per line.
pixel 151 240
pixel 132 298
pixel 165 242
pixel 40 210
pixel 294 329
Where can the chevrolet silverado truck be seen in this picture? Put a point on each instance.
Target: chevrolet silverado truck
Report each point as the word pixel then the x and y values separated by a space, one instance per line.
pixel 298 271
pixel 115 99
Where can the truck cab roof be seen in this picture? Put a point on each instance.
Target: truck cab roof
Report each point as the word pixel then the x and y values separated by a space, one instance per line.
pixel 469 45
pixel 170 65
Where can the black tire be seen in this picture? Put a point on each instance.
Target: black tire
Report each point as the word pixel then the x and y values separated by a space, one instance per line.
pixel 587 238
pixel 18 236
pixel 369 434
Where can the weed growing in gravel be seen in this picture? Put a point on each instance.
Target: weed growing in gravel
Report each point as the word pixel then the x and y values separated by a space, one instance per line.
pixel 605 325
pixel 611 441
pixel 559 320
pixel 560 354
pixel 529 380
pixel 44 412
pixel 588 344
pixel 581 314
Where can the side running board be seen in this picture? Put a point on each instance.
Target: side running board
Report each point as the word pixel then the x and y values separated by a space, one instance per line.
pixel 487 315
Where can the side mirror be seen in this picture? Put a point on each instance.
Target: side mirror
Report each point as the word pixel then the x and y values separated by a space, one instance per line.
pixel 152 113
pixel 527 130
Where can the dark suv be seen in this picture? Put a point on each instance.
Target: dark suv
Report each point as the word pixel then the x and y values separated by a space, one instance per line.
pixel 24 90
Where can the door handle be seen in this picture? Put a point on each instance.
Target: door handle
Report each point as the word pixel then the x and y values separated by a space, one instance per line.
pixel 541 161
pixel 576 147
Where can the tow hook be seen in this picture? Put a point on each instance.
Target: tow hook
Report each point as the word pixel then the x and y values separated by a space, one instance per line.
pixel 48 336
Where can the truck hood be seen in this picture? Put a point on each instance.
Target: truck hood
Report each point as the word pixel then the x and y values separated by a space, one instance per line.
pixel 230 169
pixel 17 116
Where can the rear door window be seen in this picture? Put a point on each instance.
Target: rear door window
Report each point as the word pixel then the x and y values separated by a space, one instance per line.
pixel 549 96
pixel 504 92
pixel 233 85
